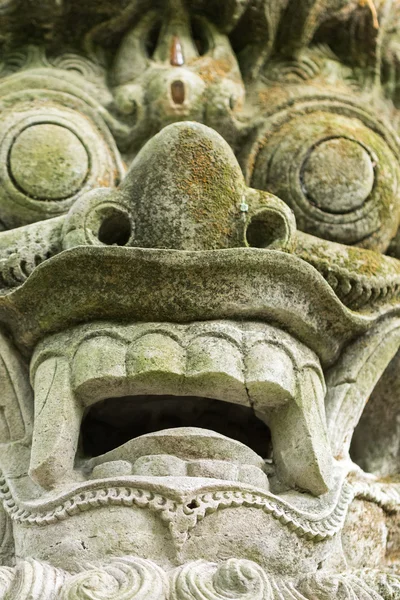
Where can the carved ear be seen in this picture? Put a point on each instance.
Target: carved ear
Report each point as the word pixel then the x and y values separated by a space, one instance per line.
pixel 351 381
pixel 16 396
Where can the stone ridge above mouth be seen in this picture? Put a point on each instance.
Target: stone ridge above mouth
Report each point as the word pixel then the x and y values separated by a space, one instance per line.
pixel 250 364
pixel 137 284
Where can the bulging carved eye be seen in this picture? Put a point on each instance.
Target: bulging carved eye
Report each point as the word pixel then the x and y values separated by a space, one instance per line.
pixel 338 175
pixel 48 162
pixel 335 165
pixel 53 148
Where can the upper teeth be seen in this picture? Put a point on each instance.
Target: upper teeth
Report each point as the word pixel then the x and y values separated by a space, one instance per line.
pixel 252 364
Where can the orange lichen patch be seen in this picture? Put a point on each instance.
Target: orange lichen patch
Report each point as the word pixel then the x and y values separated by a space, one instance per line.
pixel 212 71
pixel 105 180
pixel 109 179
pixel 274 93
pixel 372 7
pixel 211 186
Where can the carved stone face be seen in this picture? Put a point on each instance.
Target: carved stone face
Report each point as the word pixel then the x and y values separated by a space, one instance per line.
pixel 199 293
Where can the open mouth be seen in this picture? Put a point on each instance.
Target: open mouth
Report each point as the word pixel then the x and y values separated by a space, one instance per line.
pixel 176 436
pixel 114 421
pixel 209 399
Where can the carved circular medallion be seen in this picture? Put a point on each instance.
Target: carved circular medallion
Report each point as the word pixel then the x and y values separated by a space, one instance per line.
pixel 54 147
pixel 338 175
pixel 335 165
pixel 48 162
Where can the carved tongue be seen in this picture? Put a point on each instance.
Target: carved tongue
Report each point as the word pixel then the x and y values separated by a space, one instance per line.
pixel 186 443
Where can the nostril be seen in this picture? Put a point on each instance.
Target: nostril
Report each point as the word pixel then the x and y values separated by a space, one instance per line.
pixel 178 92
pixel 266 230
pixel 116 229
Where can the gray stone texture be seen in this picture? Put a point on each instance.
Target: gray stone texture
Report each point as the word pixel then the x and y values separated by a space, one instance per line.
pixel 199 300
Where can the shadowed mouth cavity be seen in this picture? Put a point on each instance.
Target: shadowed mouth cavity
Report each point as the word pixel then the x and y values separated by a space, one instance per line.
pixel 175 436
pixel 115 421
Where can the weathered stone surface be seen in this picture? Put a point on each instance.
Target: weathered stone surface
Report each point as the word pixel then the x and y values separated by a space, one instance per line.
pixel 199 300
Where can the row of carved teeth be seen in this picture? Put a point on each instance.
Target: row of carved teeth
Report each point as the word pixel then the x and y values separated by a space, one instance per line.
pixel 165 465
pixel 251 364
pixel 356 291
pixel 221 359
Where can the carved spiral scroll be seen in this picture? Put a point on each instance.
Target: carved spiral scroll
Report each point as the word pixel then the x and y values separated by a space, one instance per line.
pixel 6 577
pixel 233 580
pixel 366 584
pixel 335 165
pixel 121 579
pixel 31 580
pixel 132 578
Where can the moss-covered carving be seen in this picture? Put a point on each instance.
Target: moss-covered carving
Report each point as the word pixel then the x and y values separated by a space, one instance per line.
pixel 199 300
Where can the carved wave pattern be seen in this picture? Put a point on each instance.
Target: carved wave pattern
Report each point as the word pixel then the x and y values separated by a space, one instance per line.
pixel 180 516
pixel 387 496
pixel 130 578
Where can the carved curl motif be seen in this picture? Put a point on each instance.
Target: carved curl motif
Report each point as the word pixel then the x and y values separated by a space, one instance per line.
pixel 235 578
pixel 129 578
pixel 121 579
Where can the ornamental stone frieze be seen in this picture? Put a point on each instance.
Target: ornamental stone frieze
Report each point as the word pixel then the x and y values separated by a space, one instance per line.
pixel 199 300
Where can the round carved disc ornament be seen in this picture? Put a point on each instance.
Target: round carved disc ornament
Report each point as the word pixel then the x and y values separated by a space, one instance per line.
pixel 338 175
pixel 48 162
pixel 336 167
pixel 54 148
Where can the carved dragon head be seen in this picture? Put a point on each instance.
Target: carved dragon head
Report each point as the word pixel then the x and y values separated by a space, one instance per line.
pixel 199 293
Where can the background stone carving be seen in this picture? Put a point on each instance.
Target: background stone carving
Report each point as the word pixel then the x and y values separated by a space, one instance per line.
pixel 130 578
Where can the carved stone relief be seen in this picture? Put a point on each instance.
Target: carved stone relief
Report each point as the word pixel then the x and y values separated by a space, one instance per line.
pixel 199 300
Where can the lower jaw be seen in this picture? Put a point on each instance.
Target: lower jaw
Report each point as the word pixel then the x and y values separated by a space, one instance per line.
pixel 173 520
pixel 175 437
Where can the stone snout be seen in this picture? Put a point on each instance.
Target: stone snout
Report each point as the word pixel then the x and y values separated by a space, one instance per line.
pixel 184 191
pixel 103 391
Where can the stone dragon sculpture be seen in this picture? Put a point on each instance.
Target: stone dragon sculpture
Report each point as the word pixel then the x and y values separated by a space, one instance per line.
pixel 200 300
